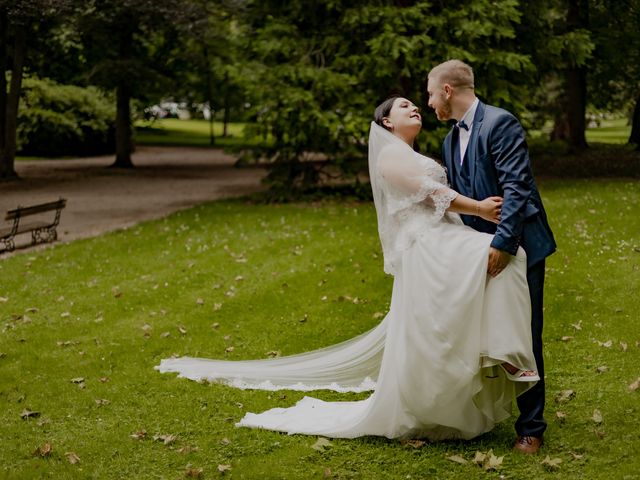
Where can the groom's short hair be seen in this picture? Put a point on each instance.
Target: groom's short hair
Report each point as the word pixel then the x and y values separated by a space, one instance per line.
pixel 454 72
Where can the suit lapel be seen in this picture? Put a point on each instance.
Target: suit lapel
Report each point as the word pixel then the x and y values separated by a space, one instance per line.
pixel 448 157
pixel 473 143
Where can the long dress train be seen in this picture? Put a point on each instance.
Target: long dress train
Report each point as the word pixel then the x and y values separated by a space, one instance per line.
pixel 433 362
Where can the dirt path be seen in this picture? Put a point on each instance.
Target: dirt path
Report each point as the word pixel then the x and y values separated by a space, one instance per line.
pixel 100 199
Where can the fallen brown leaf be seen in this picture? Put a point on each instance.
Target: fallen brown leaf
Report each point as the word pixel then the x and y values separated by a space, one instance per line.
pixel 72 458
pixel 479 457
pixel 597 416
pixel 102 401
pixel 166 439
pixel 224 468
pixel 551 463
pixel 29 414
pixel 566 338
pixel 633 386
pixel 142 434
pixel 458 459
pixel 602 369
pixel 187 449
pixel 561 416
pixel 492 462
pixel 321 444
pixel 193 472
pixel 565 396
pixel 414 443
pixel 43 451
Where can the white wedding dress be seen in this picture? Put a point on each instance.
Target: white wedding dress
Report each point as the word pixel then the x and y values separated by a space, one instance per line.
pixel 432 363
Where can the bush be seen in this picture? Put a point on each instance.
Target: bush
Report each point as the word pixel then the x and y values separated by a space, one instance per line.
pixel 59 120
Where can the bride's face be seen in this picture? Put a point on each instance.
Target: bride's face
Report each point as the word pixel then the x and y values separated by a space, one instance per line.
pixel 404 118
pixel 439 99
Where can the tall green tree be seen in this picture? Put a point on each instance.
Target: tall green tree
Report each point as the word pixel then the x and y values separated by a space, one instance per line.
pixel 127 46
pixel 556 36
pixel 614 76
pixel 23 23
pixel 318 69
pixel 209 57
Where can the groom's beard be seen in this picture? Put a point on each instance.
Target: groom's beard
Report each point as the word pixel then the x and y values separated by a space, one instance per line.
pixel 444 112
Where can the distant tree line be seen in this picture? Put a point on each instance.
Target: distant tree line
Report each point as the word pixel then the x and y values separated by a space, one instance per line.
pixel 312 71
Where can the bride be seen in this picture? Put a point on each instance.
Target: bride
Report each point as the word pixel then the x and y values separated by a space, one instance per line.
pixel 455 346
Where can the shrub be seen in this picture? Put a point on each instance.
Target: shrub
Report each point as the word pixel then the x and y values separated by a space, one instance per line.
pixel 56 120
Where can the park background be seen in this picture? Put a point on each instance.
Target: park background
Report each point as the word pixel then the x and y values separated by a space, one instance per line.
pixel 287 89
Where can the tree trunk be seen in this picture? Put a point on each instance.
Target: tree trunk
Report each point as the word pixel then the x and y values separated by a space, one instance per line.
pixel 634 138
pixel 124 142
pixel 576 81
pixel 7 170
pixel 560 130
pixel 226 120
pixel 3 81
pixel 577 107
pixel 124 145
pixel 212 138
pixel 207 63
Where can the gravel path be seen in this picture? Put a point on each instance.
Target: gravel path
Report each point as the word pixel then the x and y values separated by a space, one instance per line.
pixel 100 199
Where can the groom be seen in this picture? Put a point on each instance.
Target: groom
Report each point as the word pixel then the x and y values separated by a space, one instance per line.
pixel 486 154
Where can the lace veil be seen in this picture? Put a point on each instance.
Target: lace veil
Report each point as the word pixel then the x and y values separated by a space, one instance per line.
pixel 409 191
pixel 403 183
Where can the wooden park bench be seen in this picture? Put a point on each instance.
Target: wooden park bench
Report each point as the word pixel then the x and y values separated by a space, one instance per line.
pixel 41 230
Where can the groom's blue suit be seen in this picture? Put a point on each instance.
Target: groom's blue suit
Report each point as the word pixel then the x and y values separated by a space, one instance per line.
pixel 496 162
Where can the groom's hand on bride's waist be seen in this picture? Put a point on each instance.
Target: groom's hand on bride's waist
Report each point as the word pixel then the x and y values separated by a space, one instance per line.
pixel 498 260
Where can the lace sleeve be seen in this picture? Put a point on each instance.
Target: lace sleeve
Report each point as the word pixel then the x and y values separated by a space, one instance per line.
pixel 411 179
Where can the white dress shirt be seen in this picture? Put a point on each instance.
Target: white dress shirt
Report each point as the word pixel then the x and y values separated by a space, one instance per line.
pixel 465 135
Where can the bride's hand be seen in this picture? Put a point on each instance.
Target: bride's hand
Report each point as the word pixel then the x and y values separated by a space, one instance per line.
pixel 489 209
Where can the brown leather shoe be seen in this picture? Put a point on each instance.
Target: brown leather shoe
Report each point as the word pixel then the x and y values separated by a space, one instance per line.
pixel 528 445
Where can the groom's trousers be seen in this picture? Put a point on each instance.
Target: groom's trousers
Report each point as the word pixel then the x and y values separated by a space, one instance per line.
pixel 531 421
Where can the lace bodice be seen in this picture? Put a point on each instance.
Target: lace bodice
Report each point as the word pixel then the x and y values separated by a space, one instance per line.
pixel 416 196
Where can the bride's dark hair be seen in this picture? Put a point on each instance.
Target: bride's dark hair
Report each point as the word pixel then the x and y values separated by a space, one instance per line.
pixel 383 110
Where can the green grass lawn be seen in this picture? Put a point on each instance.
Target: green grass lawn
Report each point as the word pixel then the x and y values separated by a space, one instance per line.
pixel 192 133
pixel 610 131
pixel 614 131
pixel 84 324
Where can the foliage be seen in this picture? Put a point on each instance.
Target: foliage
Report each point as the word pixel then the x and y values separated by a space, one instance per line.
pixel 23 23
pixel 210 58
pixel 60 120
pixel 84 323
pixel 615 71
pixel 319 69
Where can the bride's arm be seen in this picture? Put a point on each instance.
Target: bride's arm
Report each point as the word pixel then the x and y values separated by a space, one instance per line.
pixel 487 209
pixel 412 183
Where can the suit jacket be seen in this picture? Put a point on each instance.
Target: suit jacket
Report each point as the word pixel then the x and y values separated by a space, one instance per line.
pixel 499 165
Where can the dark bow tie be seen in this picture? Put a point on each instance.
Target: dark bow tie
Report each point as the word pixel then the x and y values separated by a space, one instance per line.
pixel 461 124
